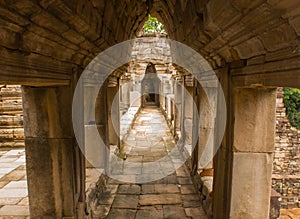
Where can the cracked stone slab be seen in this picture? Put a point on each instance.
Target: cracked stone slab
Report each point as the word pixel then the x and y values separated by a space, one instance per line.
pixel 126 201
pixel 160 199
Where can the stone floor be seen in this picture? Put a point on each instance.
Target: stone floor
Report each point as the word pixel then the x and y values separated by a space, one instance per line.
pixel 173 196
pixel 290 213
pixel 149 139
pixel 13 184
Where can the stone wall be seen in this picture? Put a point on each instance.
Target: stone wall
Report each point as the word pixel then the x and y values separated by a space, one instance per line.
pixel 286 171
pixel 11 116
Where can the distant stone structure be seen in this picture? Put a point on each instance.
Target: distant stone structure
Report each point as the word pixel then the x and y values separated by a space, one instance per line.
pixel 286 171
pixel 11 116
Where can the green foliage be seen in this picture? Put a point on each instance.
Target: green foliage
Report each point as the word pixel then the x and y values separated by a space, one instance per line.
pixel 292 104
pixel 152 25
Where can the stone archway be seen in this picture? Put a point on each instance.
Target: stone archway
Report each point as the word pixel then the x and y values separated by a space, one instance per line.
pixel 254 47
pixel 150 87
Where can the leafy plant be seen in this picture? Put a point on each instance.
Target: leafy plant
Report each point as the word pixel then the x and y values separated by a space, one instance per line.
pixel 292 104
pixel 152 25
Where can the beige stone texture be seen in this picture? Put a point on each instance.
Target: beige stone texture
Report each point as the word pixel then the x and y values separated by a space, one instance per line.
pixel 254 126
pixel 251 185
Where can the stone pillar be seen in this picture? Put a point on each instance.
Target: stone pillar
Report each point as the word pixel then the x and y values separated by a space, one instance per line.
pixel 113 113
pixel 126 94
pixel 253 143
pixel 178 108
pixel 195 128
pixel 96 126
pixel 188 104
pixel 223 157
pixel 101 116
pixel 50 152
pixel 207 115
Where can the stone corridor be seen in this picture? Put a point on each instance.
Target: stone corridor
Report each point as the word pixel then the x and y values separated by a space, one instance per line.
pixel 252 47
pixel 173 196
pixel 148 140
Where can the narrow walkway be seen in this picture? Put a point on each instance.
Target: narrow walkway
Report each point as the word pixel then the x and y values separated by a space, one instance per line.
pixel 173 196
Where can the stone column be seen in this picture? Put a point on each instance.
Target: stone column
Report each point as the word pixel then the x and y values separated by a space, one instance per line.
pixel 177 108
pixel 101 116
pixel 195 128
pixel 253 143
pixel 50 150
pixel 207 115
pixel 126 94
pixel 113 113
pixel 162 93
pixel 188 104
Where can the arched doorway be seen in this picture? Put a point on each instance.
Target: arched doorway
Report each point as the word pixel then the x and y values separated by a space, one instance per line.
pixel 150 87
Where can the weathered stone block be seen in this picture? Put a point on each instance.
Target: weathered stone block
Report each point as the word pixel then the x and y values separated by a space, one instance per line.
pixel 73 36
pixel 9 38
pixel 295 23
pixel 49 162
pixel 278 38
pixel 41 104
pixel 215 10
pixel 246 5
pixel 50 22
pixel 126 201
pixel 251 185
pixel 254 128
pixel 26 7
pixel 94 152
pixel 250 48
pixel 160 199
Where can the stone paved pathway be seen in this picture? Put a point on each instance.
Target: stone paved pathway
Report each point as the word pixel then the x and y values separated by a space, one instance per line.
pixel 173 196
pixel 13 185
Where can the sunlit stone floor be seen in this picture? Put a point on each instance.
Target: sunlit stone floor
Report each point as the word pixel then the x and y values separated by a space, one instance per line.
pixel 150 152
pixel 13 184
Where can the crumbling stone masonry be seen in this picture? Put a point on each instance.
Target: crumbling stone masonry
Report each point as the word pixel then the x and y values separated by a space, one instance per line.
pixel 11 116
pixel 286 172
